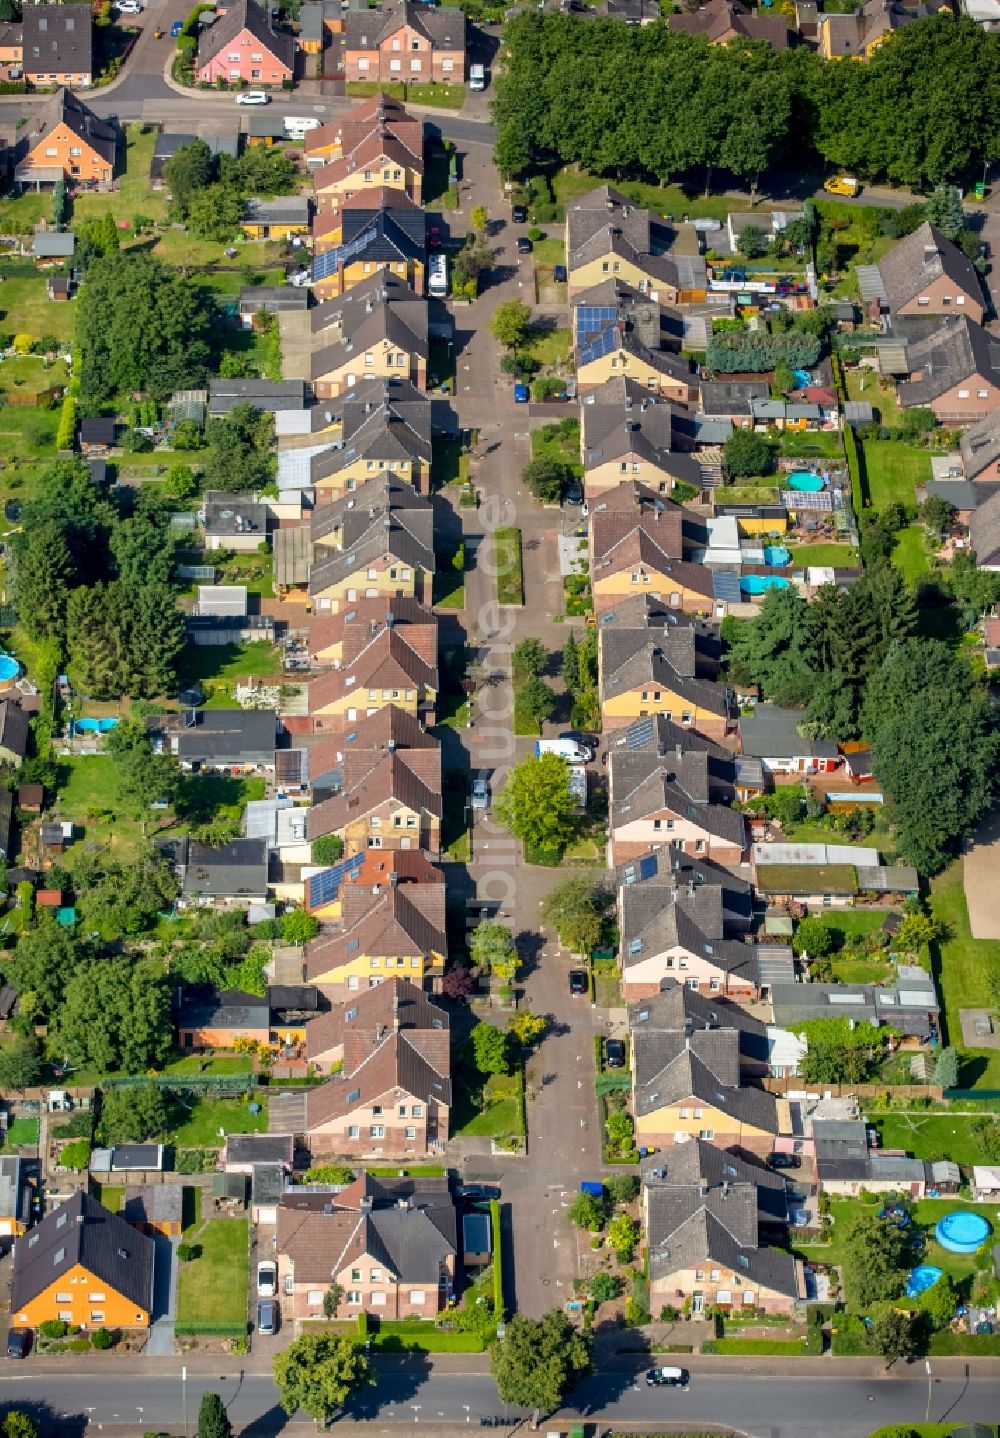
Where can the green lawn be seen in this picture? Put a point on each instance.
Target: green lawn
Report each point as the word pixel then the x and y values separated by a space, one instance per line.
pixel 220 1064
pixel 550 347
pixel 212 1288
pixel 962 964
pixel 550 251
pixel 894 470
pixel 22 1132
pixel 909 553
pixel 835 556
pixel 864 385
pixel 208 1115
pixel 809 443
pixel 559 441
pixel 507 562
pixel 569 184
pixel 501 1113
pixel 449 589
pixel 24 309
pixel 20 216
pixel 133 195
pixel 932 1136
pixel 89 796
pixel 225 664
pixel 444 97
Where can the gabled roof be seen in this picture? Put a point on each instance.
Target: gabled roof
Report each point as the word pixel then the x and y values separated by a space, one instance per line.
pixel 395 1004
pixel 640 659
pixel 228 1009
pixel 243 15
pixel 620 542
pixel 365 317
pixel 389 730
pixel 980 445
pixel 366 29
pixel 67 109
pixel 57 39
pixel 721 18
pixel 80 1231
pixel 707 1068
pixel 678 877
pixel 655 921
pixel 418 1061
pixel 984 530
pixel 606 222
pixel 676 1009
pixel 14 728
pixel 385 421
pixel 404 535
pixel 390 659
pixel 410 779
pixel 385 492
pixel 959 351
pixel 397 923
pixel 377 146
pixel 921 258
pixel 380 112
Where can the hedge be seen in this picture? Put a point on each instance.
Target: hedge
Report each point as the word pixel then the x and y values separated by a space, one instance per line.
pixel 732 353
pixel 499 1308
pixel 190 26
pixel 858 487
pixel 224 1083
pixel 210 1330
pixel 785 1347
pixel 66 432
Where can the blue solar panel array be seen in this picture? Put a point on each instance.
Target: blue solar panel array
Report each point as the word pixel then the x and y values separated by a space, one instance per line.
pixel 324 887
pixel 639 735
pixel 326 264
pixel 726 585
pixel 596 331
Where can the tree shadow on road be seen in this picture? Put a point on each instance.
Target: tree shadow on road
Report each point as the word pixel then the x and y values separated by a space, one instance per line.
pixel 47 1420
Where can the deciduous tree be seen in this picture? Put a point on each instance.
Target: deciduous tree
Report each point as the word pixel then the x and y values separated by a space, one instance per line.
pixel 509 323
pixel 538 1360
pixel 536 804
pixel 319 1373
pixel 491 1049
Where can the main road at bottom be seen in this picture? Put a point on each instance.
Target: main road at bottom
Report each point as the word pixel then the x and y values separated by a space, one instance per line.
pixel 409 1392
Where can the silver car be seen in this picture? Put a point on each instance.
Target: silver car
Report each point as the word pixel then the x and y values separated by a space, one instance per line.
pixel 480 794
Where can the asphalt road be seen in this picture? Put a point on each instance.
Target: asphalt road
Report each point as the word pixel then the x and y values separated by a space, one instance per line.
pixel 408 1394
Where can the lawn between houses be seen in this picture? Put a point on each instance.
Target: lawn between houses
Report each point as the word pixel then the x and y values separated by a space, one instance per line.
pixel 961 967
pixel 212 1287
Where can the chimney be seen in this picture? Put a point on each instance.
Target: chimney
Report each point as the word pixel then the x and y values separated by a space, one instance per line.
pixel 395 1011
pixel 391 746
pixel 366 1203
pixel 379 1028
pixel 393 880
pixel 679 751
pixel 390 620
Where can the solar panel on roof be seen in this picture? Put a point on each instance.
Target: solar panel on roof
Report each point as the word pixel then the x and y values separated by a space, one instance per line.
pixel 648 867
pixel 639 735
pixel 323 887
pixel 597 348
pixel 327 263
pixel 798 499
pixel 726 585
pixel 592 319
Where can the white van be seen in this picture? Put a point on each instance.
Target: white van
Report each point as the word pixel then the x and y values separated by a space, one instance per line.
pixel 567 749
pixel 298 126
pixel 477 77
pixel 437 276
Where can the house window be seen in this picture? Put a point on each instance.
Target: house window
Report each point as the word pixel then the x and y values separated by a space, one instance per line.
pixel 960 300
pixel 402 1110
pixel 64 1298
pixel 714 986
pixel 411 1132
pixel 377 1130
pixel 686 1113
pixel 75 151
pixel 96 1298
pixel 234 59
pixel 415 964
pixel 256 58
pixel 708 1134
pixel 363 65
pixel 923 300
pixel 447 64
pixel 353 1131
pixel 355 1275
pixel 982 394
pixel 369 359
pixel 65 1315
pixel 698 1275
pixel 378 1300
pixel 353 1297
pixel 415 66
pixel 714 1275
pixel 418 1110
pixel 418 1297
pixel 97 1315
pixel 697 1113
pixel 414 44
pixel 693 984
pixel 394 65
pixel 395 42
pixel 314 1297
pixel 963 394
pixel 51 152
pixel 376 1276
pixel 377 1107
pixel 749 1298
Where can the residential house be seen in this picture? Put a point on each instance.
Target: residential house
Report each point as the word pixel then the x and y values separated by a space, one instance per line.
pixel 334 526
pixel 386 550
pixel 381 160
pixel 168 142
pixel 627 433
pixel 625 335
pixel 221 739
pixel 389 1245
pixel 384 232
pixel 374 869
pixel 670 930
pixel 15 1197
pixel 679 1009
pixel 332 636
pixel 608 237
pixel 660 735
pixel 277 219
pixel 234 874
pixel 389 730
pixel 664 670
pixel 395 933
pixel 381 664
pixel 243 1152
pixel 97 435
pixel 242 47
pixel 375 330
pixel 400 41
pixel 955 372
pixel 980 451
pixel 14 732
pixel 390 800
pixel 909 1006
pixel 210 1019
pixel 154 1208
pixel 392 1097
pixel 709 1217
pixel 732 400
pixel 380 111
pixel 689 1087
pixel 64 140
pixel 11 51
pixel 721 21
pixel 682 800
pixel 372 1013
pixel 84 1266
pixel 385 425
pixel 925 274
pixel 642 552
pixel 270 396
pixel 772 224
pixel 58 45
pixel 845 1164
pixel 234 521
pixel 984 533
pixel 858 36
pixel 771 734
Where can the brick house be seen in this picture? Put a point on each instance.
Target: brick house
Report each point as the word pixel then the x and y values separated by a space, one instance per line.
pixel 390 1245
pixel 721 21
pixel 401 41
pixel 360 1019
pixel 925 274
pixel 208 1019
pixel 980 450
pixel 955 372
pixel 66 141
pixel 58 45
pixel 242 47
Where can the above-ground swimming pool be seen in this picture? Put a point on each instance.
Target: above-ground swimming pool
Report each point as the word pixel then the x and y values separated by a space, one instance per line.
pixel 921 1279
pixel 801 377
pixel 776 555
pixel 962 1231
pixel 9 670
pixel 761 583
pixel 805 481
pixel 93 726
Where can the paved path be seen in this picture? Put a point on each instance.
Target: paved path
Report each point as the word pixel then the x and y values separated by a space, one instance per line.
pixel 979 869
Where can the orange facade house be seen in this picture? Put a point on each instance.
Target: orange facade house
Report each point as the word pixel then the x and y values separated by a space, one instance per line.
pixel 85 1266
pixel 66 141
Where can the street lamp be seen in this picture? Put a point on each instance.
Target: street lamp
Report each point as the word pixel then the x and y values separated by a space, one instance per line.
pixel 930 1380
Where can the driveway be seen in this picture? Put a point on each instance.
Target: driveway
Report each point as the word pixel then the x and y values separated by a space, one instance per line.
pixel 979 870
pixel 161 1333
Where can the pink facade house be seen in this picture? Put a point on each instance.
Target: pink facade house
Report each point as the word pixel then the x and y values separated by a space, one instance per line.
pixel 243 48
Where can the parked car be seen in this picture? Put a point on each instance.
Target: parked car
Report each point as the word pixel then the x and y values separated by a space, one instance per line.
pixel 477 1192
pixel 519 214
pixel 18 1343
pixel 523 245
pixel 434 238
pixel 175 29
pixel 785 1160
pixel 522 394
pixel 578 982
pixel 253 97
pixel 559 274
pixel 585 743
pixel 267 1278
pixel 268 1317
pixel 614 1053
pixel 480 794
pixel 667 1377
pixel 129 7
pixel 574 490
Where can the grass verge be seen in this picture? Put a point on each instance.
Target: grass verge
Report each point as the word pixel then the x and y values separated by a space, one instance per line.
pixel 508 563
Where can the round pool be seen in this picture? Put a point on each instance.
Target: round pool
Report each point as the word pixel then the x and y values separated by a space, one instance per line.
pixel 9 670
pixel 921 1279
pixel 776 555
pixel 761 583
pixel 801 377
pixel 805 481
pixel 962 1231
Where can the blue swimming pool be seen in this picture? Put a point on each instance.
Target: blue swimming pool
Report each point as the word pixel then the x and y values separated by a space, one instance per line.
pixel 93 726
pixel 9 668
pixel 801 377
pixel 962 1231
pixel 805 481
pixel 761 583
pixel 776 555
pixel 921 1279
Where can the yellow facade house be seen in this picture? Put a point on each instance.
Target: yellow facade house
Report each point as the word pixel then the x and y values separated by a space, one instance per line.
pixel 395 934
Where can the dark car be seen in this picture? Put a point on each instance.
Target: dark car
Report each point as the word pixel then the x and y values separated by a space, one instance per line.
pixel 785 1160
pixel 434 238
pixel 474 1192
pixel 667 1377
pixel 519 214
pixel 574 490
pixel 578 981
pixel 19 1343
pixel 268 1317
pixel 614 1053
pixel 523 245
pixel 559 274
